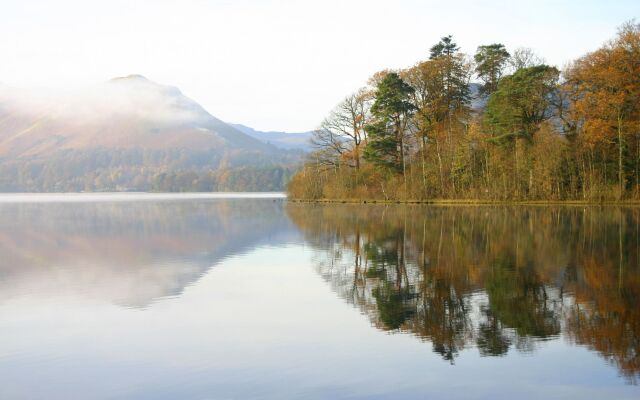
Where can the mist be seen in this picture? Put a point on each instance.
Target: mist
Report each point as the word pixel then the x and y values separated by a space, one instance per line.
pixel 133 96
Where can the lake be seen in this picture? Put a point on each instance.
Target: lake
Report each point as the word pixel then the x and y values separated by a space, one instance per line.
pixel 137 296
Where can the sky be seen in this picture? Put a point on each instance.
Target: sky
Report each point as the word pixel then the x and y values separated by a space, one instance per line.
pixel 276 65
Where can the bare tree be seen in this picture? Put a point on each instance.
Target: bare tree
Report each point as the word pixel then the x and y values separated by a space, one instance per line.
pixel 330 148
pixel 524 57
pixel 339 139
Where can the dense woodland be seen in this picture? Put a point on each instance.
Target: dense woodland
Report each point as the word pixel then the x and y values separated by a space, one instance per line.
pixel 524 131
pixel 178 170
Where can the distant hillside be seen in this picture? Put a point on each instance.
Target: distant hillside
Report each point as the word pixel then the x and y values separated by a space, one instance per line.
pixel 129 134
pixel 478 100
pixel 283 140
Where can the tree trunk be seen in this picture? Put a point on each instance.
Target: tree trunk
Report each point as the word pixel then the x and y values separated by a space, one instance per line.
pixel 356 156
pixel 424 173
pixel 440 168
pixel 638 167
pixel 515 169
pixel 620 167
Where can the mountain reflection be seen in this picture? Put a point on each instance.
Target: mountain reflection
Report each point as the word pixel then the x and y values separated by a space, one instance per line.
pixel 499 279
pixel 128 253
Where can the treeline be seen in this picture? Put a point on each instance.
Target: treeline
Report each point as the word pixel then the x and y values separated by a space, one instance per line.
pixel 525 131
pixel 177 170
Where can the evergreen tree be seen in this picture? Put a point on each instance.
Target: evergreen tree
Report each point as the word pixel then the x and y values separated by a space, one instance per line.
pixel 446 47
pixel 522 101
pixel 391 113
pixel 491 61
pixel 456 73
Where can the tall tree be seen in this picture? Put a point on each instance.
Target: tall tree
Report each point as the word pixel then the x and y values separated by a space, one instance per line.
pixel 432 100
pixel 522 101
pixel 520 104
pixel 456 95
pixel 391 113
pixel 446 47
pixel 491 61
pixel 607 104
pixel 456 72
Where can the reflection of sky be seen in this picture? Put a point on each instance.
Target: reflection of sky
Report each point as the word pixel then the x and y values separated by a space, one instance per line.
pixel 127 252
pixel 261 325
pixel 219 300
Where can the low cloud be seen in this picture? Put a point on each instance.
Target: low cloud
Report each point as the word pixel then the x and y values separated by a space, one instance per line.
pixel 132 96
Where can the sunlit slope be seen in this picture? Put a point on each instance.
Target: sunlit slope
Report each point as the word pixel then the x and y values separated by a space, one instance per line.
pixel 126 112
pixel 129 134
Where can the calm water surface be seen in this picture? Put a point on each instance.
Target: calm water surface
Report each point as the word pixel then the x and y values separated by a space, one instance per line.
pixel 209 297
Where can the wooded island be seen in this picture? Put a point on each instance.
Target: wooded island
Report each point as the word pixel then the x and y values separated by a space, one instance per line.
pixel 526 131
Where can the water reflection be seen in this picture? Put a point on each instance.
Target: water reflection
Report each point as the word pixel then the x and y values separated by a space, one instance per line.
pixel 498 279
pixel 129 253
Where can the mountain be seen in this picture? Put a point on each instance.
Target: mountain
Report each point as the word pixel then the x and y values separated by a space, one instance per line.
pixel 127 112
pixel 478 99
pixel 129 134
pixel 283 140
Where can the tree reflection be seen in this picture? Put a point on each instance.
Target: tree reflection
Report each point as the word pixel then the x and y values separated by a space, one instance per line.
pixel 494 278
pixel 518 299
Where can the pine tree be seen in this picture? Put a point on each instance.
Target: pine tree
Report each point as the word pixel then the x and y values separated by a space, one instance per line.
pixel 446 47
pixel 391 113
pixel 491 61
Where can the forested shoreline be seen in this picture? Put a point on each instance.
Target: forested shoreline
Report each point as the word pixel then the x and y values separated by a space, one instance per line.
pixel 496 126
pixel 147 170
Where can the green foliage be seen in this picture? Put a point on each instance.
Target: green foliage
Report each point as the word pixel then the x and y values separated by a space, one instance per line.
pixel 446 47
pixel 391 97
pixel 455 76
pixel 490 63
pixel 521 102
pixel 393 305
pixel 382 150
pixel 519 300
pixel 391 112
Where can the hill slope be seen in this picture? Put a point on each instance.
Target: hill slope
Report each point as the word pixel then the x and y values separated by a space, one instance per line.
pixel 283 140
pixel 128 134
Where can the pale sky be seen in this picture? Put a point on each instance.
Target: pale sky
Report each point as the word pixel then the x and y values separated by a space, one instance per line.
pixel 276 65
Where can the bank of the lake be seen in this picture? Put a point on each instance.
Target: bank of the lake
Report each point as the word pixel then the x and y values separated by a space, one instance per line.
pixel 463 202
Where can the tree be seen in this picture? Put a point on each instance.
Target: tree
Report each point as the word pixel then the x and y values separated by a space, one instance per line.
pixel 432 100
pixel 524 57
pixel 450 71
pixel 491 61
pixel 391 113
pixel 606 107
pixel 342 133
pixel 446 47
pixel 520 104
pixel 456 72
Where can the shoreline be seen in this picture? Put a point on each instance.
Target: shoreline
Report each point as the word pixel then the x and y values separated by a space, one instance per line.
pixel 463 202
